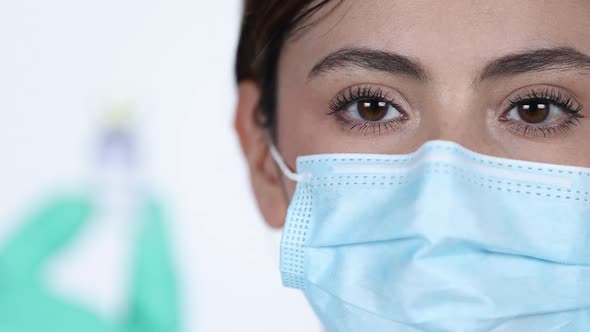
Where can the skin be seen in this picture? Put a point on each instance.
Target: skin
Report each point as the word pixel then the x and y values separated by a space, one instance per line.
pixel 453 41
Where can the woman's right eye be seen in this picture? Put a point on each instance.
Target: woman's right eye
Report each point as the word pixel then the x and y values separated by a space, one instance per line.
pixel 368 109
pixel 373 110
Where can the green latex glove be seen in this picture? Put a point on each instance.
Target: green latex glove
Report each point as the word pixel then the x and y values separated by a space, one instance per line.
pixel 26 306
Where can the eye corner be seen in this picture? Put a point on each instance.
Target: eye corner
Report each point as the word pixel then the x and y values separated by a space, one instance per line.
pixel 504 116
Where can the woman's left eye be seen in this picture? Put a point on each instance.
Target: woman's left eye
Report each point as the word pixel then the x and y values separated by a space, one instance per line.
pixel 542 112
pixel 372 110
pixel 536 112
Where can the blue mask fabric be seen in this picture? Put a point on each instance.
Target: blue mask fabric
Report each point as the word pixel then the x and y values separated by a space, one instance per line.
pixel 442 239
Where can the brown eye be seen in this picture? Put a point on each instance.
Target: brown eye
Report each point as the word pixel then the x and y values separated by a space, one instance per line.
pixel 533 112
pixel 372 110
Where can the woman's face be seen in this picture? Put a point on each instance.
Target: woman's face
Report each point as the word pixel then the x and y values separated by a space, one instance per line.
pixel 504 78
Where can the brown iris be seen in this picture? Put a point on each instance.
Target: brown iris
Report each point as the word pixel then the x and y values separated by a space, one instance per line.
pixel 372 110
pixel 533 112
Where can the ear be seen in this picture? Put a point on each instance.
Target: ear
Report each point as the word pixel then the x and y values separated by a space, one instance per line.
pixel 265 176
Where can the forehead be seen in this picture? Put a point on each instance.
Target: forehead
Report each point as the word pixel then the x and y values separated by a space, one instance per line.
pixel 444 34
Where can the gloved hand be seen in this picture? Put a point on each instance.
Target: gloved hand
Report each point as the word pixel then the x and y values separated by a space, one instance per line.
pixel 25 304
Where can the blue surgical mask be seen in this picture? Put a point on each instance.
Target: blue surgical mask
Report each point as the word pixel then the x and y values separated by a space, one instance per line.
pixel 443 239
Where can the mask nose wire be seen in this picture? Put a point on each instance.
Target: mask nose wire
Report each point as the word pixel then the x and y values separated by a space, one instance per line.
pixel 287 172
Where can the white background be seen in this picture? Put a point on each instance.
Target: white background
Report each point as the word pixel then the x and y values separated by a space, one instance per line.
pixel 61 61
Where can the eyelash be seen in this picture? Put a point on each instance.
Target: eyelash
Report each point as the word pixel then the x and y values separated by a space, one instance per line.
pixel 359 93
pixel 547 95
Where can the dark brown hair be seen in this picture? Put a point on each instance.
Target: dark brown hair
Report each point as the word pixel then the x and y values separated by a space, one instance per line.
pixel 266 25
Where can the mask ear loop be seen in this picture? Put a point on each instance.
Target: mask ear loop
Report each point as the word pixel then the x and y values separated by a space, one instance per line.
pixel 287 172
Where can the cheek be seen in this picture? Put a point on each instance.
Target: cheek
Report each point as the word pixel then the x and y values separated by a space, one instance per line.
pixel 570 150
pixel 296 130
pixel 302 118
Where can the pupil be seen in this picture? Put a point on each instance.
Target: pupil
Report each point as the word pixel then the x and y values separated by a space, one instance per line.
pixel 534 112
pixel 372 110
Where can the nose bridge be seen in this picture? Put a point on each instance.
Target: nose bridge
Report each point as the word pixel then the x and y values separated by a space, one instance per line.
pixel 455 115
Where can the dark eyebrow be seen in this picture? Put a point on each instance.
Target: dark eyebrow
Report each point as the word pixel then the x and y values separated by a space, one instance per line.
pixel 370 59
pixel 545 59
